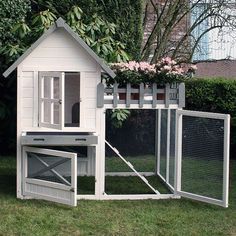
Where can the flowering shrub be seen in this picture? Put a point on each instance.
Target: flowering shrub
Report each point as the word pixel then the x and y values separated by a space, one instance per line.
pixel 132 72
pixel 164 71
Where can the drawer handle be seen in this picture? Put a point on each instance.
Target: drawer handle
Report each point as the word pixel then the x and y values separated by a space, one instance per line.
pixel 80 139
pixel 39 139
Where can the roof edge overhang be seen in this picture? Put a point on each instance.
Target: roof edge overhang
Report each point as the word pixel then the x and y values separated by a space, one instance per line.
pixel 60 23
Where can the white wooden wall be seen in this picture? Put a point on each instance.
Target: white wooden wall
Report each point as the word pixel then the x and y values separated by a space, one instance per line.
pixel 27 98
pixel 89 97
pixel 58 52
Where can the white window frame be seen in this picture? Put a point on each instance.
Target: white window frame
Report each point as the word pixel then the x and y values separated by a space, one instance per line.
pixel 60 100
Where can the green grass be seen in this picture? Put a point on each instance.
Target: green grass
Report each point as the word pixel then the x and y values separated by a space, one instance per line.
pixel 121 185
pixel 144 163
pixel 148 217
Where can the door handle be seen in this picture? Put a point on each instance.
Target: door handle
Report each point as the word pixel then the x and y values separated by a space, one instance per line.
pixel 60 101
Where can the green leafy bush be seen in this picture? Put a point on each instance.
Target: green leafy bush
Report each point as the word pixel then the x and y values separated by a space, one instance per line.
pixel 213 95
pixel 126 14
pixel 11 11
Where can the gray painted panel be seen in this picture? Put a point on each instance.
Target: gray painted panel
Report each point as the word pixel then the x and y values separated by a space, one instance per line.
pixel 182 95
pixel 154 95
pixel 128 94
pixel 141 95
pixel 61 140
pixel 167 95
pixel 115 95
pixel 100 95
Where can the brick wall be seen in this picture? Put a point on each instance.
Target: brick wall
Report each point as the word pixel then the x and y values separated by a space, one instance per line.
pixel 222 68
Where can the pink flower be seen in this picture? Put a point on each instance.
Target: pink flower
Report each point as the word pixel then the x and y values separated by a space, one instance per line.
pixel 167 60
pixel 193 67
pixel 167 68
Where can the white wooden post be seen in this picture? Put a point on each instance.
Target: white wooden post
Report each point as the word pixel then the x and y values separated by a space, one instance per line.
pixel 158 142
pixel 168 146
pixel 226 160
pixel 100 155
pixel 62 92
pixel 36 100
pixel 18 135
pixel 102 152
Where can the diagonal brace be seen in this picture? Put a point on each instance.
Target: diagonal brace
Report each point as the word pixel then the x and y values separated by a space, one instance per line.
pixel 50 168
pixel 132 168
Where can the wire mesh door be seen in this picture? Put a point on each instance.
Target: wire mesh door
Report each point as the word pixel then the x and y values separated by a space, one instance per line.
pixel 203 156
pixel 50 175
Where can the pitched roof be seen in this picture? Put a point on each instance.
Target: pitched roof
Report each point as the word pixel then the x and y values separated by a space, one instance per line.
pixel 60 23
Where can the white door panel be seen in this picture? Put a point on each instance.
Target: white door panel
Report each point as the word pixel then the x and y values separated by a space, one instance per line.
pixel 50 175
pixel 203 156
pixel 51 99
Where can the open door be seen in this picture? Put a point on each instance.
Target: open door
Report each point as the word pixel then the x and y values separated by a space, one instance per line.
pixel 50 175
pixel 51 99
pixel 202 164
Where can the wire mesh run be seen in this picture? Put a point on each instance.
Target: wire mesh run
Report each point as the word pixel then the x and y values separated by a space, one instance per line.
pixel 172 147
pixel 163 143
pixel 49 168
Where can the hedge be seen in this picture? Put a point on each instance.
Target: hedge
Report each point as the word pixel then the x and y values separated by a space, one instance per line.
pixel 11 11
pixel 214 95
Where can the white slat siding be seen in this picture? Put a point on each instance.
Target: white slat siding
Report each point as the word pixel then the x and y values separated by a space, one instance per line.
pixel 59 51
pixel 27 98
pixel 89 98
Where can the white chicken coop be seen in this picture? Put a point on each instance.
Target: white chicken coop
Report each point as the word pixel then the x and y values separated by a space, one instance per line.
pixel 61 105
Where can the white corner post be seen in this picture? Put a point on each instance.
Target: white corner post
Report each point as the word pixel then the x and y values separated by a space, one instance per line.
pixel 158 139
pixel 18 133
pixel 168 147
pixel 100 155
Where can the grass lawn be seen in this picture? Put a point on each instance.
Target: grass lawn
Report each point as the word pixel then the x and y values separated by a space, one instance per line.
pixel 148 217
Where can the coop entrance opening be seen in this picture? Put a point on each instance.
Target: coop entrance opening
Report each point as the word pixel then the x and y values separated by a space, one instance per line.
pixel 72 99
pixel 131 162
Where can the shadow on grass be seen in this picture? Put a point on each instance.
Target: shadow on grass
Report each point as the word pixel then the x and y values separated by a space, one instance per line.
pixel 8 185
pixel 7 176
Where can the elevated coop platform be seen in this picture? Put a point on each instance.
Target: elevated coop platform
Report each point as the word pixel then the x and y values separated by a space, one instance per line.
pixel 152 97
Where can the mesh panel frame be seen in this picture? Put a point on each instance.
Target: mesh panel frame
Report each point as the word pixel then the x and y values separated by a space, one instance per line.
pixel 214 188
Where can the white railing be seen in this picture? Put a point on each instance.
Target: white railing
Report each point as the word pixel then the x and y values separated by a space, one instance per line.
pixel 114 96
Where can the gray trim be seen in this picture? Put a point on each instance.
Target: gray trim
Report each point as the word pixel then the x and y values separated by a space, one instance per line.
pixel 100 95
pixel 115 95
pixel 60 23
pixel 128 95
pixel 154 95
pixel 141 95
pixel 167 95
pixel 181 95
pixel 60 140
pixel 173 96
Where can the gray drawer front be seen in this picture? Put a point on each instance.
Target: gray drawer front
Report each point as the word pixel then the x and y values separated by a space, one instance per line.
pixel 61 140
